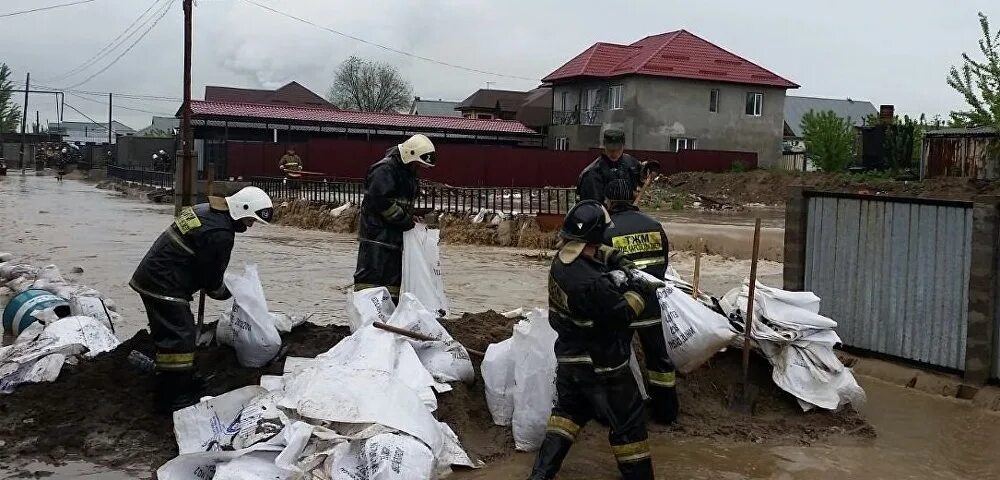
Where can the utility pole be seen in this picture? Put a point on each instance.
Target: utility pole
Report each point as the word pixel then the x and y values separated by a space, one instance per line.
pixel 24 117
pixel 187 137
pixel 109 121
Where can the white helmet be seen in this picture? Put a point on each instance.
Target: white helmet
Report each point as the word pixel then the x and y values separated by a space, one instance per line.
pixel 417 148
pixel 250 202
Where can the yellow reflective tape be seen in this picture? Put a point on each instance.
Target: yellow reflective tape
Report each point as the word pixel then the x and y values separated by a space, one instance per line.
pixel 662 379
pixel 638 243
pixel 563 426
pixel 645 323
pixel 635 301
pixel 171 358
pixel 187 220
pixel 610 369
pixel 631 452
pixel 645 262
pixel 575 359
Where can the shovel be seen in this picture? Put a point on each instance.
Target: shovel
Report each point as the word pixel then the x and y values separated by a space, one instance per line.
pixel 743 395
pixel 418 336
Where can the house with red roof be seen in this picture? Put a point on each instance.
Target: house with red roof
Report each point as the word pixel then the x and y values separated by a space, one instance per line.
pixel 668 92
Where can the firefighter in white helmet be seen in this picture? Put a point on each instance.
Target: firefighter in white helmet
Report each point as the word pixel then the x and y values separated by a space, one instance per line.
pixel 387 211
pixel 190 255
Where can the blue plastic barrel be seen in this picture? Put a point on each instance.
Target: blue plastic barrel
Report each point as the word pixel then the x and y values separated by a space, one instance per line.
pixel 17 314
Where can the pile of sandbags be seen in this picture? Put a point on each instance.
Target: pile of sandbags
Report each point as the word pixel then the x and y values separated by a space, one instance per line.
pixel 361 411
pixel 58 323
pixel 798 342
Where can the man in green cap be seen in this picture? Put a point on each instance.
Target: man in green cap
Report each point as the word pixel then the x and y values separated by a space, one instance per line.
pixel 613 164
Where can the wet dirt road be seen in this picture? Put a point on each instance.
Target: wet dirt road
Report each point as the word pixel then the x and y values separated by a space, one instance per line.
pixel 73 224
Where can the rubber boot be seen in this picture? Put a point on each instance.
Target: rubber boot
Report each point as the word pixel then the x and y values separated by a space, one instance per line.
pixel 176 390
pixel 664 405
pixel 550 457
pixel 641 470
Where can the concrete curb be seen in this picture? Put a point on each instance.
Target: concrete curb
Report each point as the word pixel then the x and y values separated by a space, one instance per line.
pixel 945 385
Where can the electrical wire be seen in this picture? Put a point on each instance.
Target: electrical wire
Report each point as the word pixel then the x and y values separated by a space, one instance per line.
pixel 123 107
pixel 384 47
pixel 96 123
pixel 41 9
pixel 107 49
pixel 162 14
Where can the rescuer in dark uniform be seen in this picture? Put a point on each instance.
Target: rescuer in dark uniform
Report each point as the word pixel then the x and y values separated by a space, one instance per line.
pixel 592 302
pixel 613 164
pixel 387 211
pixel 191 255
pixel 642 239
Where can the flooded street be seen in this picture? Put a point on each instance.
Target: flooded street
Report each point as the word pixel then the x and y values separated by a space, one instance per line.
pixel 72 224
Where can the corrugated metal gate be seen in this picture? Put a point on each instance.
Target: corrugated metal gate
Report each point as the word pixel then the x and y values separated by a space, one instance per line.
pixel 894 273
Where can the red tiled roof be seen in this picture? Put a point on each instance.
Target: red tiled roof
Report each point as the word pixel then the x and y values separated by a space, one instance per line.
pixel 351 118
pixel 679 54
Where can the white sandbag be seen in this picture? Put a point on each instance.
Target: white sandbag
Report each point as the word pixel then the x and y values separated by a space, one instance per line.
pixel 446 359
pixel 40 360
pixel 829 389
pixel 20 284
pixel 422 268
pixel 6 294
pixel 253 466
pixel 6 257
pixel 286 323
pixel 692 331
pixel 11 270
pixel 336 212
pixel 254 335
pixel 385 456
pixel 479 217
pixel 213 424
pixel 93 307
pixel 86 331
pixel 367 306
pixel 534 375
pixel 498 377
pixel 203 465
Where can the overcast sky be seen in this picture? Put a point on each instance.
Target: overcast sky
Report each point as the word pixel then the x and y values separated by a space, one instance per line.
pixel 890 51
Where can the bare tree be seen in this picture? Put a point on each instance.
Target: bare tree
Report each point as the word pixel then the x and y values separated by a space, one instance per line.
pixel 370 86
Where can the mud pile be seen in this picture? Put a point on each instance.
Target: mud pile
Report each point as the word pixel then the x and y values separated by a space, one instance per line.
pixel 303 214
pixel 102 409
pixel 518 231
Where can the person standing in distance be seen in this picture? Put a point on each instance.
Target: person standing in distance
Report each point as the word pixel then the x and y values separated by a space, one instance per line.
pixel 613 164
pixel 192 254
pixel 391 187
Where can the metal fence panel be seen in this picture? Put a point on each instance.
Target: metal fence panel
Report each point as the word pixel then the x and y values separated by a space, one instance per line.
pixel 893 274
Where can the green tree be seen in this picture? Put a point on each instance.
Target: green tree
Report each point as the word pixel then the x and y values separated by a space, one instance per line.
pixel 10 112
pixel 829 140
pixel 978 81
pixel 370 86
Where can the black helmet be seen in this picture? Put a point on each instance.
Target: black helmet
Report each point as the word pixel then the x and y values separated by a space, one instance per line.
pixel 586 222
pixel 620 190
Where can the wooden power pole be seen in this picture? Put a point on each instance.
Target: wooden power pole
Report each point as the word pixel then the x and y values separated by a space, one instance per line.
pixel 187 135
pixel 110 122
pixel 24 117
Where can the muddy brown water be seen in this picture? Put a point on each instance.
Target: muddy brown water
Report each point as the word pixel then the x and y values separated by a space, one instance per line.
pixel 73 224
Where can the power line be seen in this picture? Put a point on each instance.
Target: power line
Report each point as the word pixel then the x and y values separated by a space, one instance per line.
pixel 107 49
pixel 98 124
pixel 130 47
pixel 131 96
pixel 40 9
pixel 384 47
pixel 123 107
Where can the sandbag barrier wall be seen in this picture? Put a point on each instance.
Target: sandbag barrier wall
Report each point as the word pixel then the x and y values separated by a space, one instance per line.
pixel 910 278
pixel 439 198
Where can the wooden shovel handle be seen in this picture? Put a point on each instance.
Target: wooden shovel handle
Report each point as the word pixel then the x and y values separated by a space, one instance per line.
pixel 418 336
pixel 748 331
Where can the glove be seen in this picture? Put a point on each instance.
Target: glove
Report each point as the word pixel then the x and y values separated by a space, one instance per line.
pixel 221 293
pixel 618 277
pixel 613 258
pixel 646 285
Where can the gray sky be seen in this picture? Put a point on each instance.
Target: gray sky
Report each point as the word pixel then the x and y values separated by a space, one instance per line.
pixel 885 51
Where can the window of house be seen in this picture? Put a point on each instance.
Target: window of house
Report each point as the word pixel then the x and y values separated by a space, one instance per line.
pixel 484 116
pixel 616 100
pixel 713 100
pixel 592 99
pixel 562 143
pixel 682 143
pixel 755 103
pixel 565 101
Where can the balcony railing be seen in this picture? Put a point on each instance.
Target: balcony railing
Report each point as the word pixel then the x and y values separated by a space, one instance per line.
pixel 578 117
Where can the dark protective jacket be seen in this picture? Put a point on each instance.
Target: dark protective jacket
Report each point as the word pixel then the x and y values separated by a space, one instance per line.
pixel 191 254
pixel 591 314
pixel 643 240
pixel 595 178
pixel 386 212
